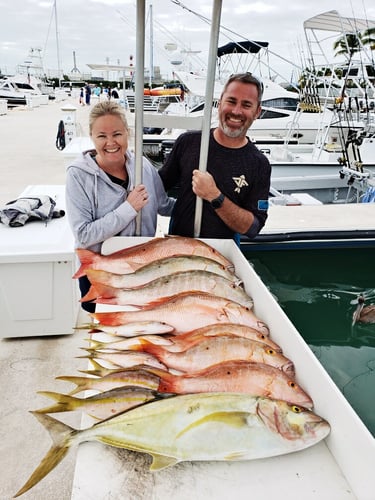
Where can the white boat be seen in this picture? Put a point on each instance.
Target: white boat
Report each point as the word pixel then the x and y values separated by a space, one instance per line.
pixel 283 116
pixel 11 93
pixel 29 80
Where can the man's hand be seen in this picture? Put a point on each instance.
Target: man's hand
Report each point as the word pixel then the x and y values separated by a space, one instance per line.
pixel 204 186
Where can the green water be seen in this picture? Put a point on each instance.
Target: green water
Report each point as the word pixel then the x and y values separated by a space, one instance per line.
pixel 316 289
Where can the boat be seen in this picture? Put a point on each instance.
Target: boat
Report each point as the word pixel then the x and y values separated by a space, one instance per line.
pixel 283 116
pixel 325 470
pixel 29 80
pixel 14 95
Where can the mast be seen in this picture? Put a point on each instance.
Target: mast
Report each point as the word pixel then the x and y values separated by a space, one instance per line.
pixel 151 48
pixel 57 43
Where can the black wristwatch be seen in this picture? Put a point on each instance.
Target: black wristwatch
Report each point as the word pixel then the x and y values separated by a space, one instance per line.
pixel 217 202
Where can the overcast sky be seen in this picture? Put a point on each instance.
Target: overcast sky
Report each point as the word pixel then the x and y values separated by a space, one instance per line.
pixel 101 31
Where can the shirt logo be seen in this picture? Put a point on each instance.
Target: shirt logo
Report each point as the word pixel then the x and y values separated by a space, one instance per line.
pixel 240 183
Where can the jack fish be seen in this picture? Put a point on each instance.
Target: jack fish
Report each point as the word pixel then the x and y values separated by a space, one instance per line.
pixel 185 428
pixel 130 259
pixel 188 311
pixel 158 290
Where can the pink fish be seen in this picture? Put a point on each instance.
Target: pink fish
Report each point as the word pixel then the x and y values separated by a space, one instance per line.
pixel 240 376
pixel 132 258
pixel 188 311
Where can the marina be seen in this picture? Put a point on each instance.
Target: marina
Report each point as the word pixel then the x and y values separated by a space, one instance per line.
pixel 273 270
pixel 39 359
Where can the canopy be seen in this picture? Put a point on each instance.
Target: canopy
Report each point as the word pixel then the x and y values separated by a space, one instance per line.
pixel 332 21
pixel 243 47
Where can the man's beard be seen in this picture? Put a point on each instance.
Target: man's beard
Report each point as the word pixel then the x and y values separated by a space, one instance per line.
pixel 233 134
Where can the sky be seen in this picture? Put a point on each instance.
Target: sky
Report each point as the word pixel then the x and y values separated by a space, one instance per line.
pixel 104 31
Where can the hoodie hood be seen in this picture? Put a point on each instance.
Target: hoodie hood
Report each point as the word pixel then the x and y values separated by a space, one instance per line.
pixel 86 162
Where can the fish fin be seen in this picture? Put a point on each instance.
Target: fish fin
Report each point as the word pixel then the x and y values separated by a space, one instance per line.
pixel 62 436
pixel 64 402
pixel 234 419
pixel 86 258
pixel 104 291
pixel 92 294
pixel 107 318
pixel 86 326
pixel 161 462
pixel 80 382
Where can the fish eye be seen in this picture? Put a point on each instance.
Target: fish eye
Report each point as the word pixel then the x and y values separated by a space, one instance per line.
pixel 292 384
pixel 270 351
pixel 296 409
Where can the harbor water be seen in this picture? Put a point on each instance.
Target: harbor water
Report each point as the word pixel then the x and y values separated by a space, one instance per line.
pixel 318 290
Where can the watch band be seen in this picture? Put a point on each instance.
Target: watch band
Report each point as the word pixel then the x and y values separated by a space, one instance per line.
pixel 217 202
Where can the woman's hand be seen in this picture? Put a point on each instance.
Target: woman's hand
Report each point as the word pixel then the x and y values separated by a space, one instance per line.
pixel 138 197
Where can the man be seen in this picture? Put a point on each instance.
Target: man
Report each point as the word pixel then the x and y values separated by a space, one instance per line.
pixel 235 187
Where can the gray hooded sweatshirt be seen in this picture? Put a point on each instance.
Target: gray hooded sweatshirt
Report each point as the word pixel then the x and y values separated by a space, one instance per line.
pixel 97 208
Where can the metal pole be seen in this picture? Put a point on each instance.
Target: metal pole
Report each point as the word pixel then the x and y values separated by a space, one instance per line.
pixel 210 83
pixel 139 90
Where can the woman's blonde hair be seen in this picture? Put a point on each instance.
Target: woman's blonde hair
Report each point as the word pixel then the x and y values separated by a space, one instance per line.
pixel 107 108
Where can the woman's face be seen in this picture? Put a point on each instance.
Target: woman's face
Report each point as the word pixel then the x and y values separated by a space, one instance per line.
pixel 110 138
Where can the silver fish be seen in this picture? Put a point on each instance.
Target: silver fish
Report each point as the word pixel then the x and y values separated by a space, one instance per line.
pixel 158 290
pixel 215 426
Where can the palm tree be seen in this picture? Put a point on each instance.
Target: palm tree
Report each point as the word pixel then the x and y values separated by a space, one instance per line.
pixel 348 44
pixel 368 38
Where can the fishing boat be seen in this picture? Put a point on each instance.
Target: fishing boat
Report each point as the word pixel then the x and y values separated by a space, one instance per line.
pixel 282 117
pixel 325 470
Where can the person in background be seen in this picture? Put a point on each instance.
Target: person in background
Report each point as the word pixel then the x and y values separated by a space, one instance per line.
pixel 102 199
pixel 88 94
pixel 114 93
pixel 235 186
pixel 82 96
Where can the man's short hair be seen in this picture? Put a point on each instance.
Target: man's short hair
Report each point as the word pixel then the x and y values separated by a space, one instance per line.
pixel 246 78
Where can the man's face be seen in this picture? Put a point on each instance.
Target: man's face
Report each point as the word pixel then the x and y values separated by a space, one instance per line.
pixel 238 108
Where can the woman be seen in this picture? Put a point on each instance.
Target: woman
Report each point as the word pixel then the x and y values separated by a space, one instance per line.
pixel 101 197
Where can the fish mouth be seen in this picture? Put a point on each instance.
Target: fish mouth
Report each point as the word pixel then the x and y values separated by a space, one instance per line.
pixel 289 369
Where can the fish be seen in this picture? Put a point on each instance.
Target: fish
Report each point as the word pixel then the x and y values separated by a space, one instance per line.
pixel 206 426
pixel 124 359
pixel 105 341
pixel 179 342
pixel 100 406
pixel 175 343
pixel 363 314
pixel 257 379
pixel 113 379
pixel 132 258
pixel 131 329
pixel 187 311
pixel 213 350
pixel 158 290
pixel 159 268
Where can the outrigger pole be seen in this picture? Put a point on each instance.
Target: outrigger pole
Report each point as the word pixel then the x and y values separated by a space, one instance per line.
pixel 139 89
pixel 210 83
